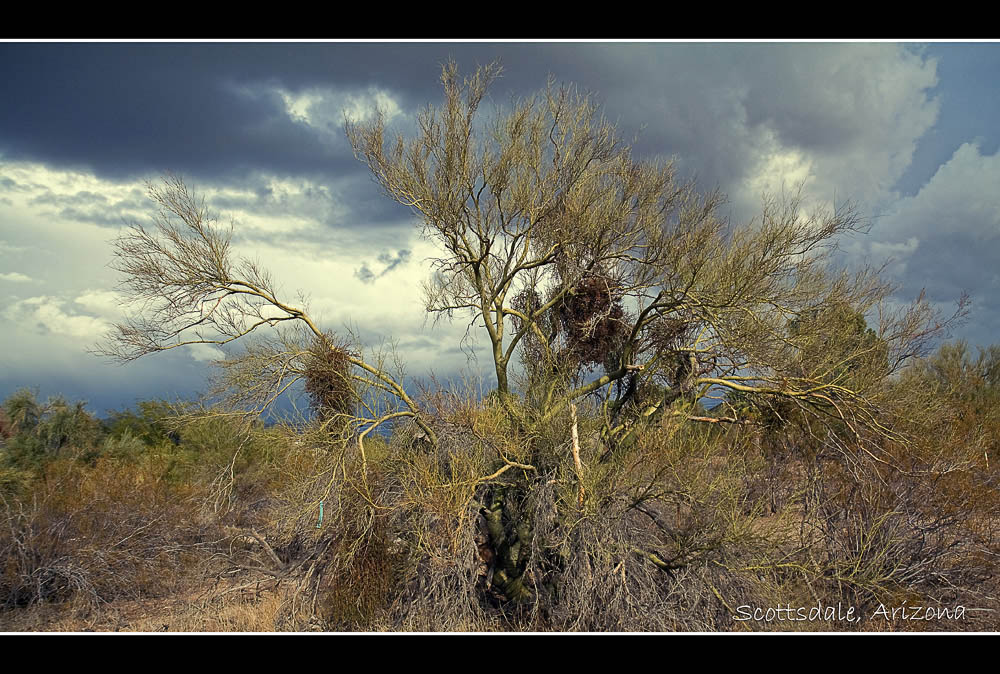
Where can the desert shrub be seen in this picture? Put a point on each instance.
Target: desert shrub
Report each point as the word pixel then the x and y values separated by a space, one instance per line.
pixel 38 433
pixel 882 523
pixel 123 446
pixel 96 534
pixel 149 422
pixel 467 536
pixel 14 482
pixel 496 527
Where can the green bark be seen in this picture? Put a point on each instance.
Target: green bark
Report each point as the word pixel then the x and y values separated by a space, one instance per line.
pixel 512 552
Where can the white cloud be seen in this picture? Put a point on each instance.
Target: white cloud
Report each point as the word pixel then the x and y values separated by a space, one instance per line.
pixel 386 307
pixel 946 238
pixel 15 277
pixel 284 223
pixel 845 118
pixel 106 303
pixel 47 314
pixel 8 249
pixel 49 317
pixel 881 249
pixel 779 170
pixel 361 108
pixel 298 105
pixel 324 109
pixel 960 200
pixel 205 353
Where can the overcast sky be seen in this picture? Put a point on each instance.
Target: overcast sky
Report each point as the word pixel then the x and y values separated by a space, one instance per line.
pixel 907 131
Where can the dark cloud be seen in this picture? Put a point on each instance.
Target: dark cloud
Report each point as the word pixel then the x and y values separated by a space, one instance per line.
pixel 972 106
pixel 365 275
pixel 213 111
pixel 417 343
pixel 81 376
pixel 946 240
pixel 849 117
pixel 84 206
pixel 82 198
pixel 130 109
pixel 391 262
pixel 388 261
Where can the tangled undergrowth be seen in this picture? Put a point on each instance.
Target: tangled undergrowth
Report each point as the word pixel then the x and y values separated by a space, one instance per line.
pixel 503 526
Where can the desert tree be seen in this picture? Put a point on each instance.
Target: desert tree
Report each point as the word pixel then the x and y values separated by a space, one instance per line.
pixel 605 279
pixel 600 274
pixel 188 288
pixel 603 283
pixel 615 279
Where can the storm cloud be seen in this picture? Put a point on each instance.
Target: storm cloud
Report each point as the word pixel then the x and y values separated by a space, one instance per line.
pixel 905 131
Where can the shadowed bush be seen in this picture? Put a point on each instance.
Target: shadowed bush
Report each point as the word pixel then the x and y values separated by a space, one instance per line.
pixel 94 535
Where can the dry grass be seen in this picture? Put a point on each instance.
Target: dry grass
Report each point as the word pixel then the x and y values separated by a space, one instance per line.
pixel 94 535
pixel 674 534
pixel 207 609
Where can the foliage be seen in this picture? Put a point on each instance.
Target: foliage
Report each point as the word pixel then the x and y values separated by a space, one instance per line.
pixel 93 535
pixel 593 489
pixel 41 432
pixel 149 423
